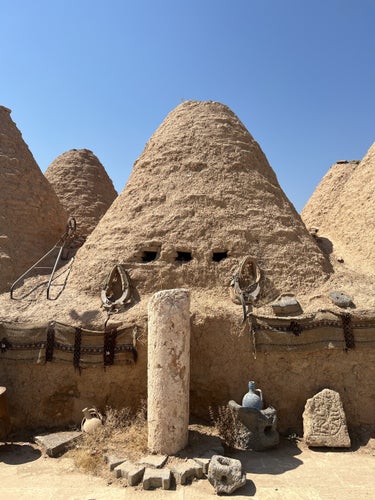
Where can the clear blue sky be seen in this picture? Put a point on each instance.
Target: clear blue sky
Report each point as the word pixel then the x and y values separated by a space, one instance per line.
pixel 103 75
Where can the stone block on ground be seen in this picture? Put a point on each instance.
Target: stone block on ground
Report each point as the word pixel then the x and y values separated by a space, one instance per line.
pixel 156 478
pixel 57 443
pixel 324 422
pixel 253 429
pixel 133 473
pixel 204 462
pixel 156 461
pixel 113 461
pixel 185 472
pixel 225 474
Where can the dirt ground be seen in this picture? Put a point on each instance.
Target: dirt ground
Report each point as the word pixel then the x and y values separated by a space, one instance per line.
pixel 291 471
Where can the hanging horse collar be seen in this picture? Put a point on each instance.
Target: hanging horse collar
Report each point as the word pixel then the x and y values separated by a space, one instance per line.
pixel 119 280
pixel 246 283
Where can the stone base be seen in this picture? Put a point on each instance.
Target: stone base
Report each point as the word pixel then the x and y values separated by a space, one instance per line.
pixel 254 429
pixel 225 474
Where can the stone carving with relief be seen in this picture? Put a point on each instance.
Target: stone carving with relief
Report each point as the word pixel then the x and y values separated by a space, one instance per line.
pixel 324 421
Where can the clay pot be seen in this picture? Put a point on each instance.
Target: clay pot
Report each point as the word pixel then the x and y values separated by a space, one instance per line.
pixel 91 421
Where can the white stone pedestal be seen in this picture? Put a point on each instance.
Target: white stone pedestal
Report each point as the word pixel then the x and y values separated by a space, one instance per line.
pixel 168 371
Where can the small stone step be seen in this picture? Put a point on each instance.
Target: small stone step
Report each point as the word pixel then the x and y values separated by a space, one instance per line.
pixel 58 442
pixel 133 473
pixel 155 461
pixel 113 461
pixel 157 478
pixel 185 472
pixel 204 463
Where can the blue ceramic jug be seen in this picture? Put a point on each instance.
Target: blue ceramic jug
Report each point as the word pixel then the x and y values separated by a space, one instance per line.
pixel 253 398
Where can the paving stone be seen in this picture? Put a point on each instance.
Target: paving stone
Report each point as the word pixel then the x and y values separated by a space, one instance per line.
pixel 204 463
pixel 58 442
pixel 324 422
pixel 133 473
pixel 156 478
pixel 156 461
pixel 185 472
pixel 113 461
pixel 225 474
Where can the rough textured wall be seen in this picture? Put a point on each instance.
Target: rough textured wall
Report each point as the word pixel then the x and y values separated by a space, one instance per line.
pixel 327 193
pixel 54 395
pixel 202 185
pixel 82 186
pixel 344 212
pixel 201 188
pixel 222 363
pixel 31 217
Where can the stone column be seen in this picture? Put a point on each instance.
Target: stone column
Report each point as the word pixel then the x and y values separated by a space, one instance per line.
pixel 168 371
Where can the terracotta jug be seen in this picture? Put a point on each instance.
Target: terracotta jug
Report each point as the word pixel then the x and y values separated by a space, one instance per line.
pixel 253 398
pixel 91 421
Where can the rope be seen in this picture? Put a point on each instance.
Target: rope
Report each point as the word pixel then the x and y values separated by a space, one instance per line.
pixel 295 328
pixel 50 341
pixel 253 337
pixel 77 349
pixel 248 294
pixel 4 345
pixel 109 347
pixel 348 330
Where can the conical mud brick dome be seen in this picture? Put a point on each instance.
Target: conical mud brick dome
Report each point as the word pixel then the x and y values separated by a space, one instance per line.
pixel 31 217
pixel 326 193
pixel 82 186
pixel 201 196
pixel 343 209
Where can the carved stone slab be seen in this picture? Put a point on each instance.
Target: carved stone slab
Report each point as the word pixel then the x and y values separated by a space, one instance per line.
pixel 324 422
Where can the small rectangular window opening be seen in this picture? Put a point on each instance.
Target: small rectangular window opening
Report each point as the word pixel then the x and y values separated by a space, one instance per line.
pixel 183 257
pixel 219 256
pixel 149 255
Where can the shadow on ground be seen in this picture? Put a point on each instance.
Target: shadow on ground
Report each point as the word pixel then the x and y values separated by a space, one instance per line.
pixel 248 490
pixel 17 454
pixel 274 461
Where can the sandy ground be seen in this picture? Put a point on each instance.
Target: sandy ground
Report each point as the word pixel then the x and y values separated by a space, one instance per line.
pixel 292 471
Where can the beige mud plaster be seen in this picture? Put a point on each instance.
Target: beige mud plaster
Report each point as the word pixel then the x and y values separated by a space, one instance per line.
pixel 31 217
pixel 82 186
pixel 168 371
pixel 324 422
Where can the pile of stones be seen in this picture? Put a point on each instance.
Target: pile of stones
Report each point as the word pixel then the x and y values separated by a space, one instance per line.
pixel 161 471
pixel 155 471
